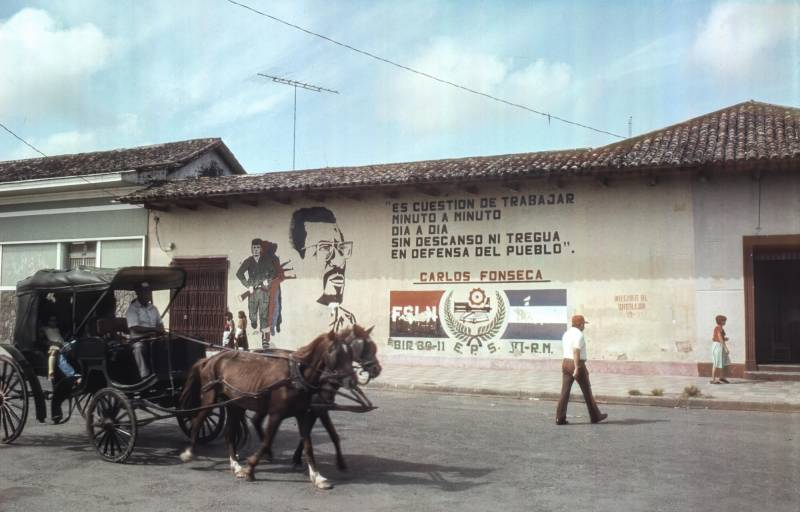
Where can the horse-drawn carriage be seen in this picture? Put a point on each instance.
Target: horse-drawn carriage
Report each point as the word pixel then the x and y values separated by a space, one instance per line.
pixel 108 391
pixel 200 392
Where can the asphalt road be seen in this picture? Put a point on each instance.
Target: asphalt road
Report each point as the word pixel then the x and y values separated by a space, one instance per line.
pixel 425 452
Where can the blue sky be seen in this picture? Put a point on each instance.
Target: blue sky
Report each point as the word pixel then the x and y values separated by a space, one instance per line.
pixel 86 75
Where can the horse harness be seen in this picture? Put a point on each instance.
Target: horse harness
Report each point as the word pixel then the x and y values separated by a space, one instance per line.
pixel 296 380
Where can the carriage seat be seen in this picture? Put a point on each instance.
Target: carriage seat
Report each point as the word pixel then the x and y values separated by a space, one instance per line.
pixel 113 328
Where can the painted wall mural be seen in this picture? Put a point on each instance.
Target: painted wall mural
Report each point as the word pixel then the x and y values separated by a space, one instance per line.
pixel 314 233
pixel 261 274
pixel 484 311
pixel 479 320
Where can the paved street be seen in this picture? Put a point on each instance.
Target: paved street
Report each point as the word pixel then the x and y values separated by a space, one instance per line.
pixel 428 451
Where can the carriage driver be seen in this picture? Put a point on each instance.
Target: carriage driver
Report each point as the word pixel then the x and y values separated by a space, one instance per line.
pixel 143 321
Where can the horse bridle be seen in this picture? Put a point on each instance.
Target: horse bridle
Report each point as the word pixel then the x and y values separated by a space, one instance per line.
pixel 326 375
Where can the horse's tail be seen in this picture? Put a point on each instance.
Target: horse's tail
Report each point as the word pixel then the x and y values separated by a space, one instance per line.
pixel 190 396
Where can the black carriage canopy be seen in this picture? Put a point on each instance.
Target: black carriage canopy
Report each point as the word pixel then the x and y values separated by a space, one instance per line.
pixel 89 285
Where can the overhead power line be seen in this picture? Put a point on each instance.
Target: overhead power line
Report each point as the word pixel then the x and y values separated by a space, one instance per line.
pixel 22 140
pixel 6 128
pixel 426 75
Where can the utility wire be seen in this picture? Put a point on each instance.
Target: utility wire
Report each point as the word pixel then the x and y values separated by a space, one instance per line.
pixel 22 140
pixel 45 156
pixel 426 75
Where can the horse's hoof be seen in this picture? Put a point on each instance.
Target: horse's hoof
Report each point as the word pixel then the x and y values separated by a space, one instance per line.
pixel 186 456
pixel 341 465
pixel 244 474
pixel 323 484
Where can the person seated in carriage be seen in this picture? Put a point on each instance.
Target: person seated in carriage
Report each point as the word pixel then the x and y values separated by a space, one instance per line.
pixel 59 370
pixel 56 351
pixel 144 320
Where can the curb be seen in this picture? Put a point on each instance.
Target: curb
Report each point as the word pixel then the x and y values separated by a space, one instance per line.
pixel 653 401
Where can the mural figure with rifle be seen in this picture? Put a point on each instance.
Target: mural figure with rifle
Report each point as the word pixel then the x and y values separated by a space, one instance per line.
pixel 262 273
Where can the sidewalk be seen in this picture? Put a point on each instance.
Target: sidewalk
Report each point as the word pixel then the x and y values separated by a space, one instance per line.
pixel 740 394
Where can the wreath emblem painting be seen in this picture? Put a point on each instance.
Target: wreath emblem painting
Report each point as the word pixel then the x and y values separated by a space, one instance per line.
pixel 476 320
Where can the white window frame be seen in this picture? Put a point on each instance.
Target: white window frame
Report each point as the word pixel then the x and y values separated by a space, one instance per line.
pixel 60 241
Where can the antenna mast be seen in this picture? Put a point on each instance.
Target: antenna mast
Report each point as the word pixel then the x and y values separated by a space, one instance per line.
pixel 296 84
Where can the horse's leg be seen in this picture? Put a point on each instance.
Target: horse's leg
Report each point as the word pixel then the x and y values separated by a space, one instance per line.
pixel 248 471
pixel 319 481
pixel 207 398
pixel 234 415
pixel 258 425
pixel 297 459
pixel 328 424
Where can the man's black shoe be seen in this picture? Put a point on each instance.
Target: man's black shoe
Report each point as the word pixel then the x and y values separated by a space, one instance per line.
pixel 600 418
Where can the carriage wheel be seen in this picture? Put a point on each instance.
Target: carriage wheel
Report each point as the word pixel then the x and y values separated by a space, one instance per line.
pixel 81 403
pixel 210 429
pixel 13 400
pixel 111 425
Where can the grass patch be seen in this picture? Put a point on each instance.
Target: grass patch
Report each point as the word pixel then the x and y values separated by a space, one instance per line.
pixel 691 392
pixel 657 392
pixel 634 392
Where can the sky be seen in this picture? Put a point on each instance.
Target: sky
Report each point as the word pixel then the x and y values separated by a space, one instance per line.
pixel 88 75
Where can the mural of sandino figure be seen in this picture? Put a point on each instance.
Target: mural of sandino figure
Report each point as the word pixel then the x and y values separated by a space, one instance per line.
pixel 261 273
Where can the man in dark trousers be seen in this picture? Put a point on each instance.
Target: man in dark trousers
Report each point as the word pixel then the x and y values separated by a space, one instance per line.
pixel 255 273
pixel 573 367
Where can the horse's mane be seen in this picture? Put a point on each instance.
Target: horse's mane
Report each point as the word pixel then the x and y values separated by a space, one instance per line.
pixel 305 353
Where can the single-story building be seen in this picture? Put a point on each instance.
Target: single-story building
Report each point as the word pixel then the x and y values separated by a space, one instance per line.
pixel 63 211
pixel 481 261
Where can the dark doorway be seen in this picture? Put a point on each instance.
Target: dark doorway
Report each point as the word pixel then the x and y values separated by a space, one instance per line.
pixel 776 274
pixel 199 310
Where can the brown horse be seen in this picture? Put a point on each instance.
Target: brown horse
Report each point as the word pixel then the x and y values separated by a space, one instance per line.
pixel 277 386
pixel 365 355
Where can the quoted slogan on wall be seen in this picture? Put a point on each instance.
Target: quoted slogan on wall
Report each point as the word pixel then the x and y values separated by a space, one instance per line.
pixel 426 229
pixel 504 307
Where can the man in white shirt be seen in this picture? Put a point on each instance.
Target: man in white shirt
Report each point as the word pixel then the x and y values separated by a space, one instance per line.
pixel 143 321
pixel 573 368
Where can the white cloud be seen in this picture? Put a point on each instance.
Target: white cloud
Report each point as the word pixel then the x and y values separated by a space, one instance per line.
pixel 45 66
pixel 126 127
pixel 737 38
pixel 423 104
pixel 241 106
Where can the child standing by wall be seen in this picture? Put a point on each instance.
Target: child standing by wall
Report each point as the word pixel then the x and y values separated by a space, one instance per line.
pixel 241 332
pixel 720 354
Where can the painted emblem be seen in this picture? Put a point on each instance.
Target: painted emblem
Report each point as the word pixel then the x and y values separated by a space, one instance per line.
pixel 476 320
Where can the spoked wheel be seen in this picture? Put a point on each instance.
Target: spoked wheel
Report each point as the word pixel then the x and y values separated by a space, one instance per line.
pixel 210 429
pixel 13 400
pixel 111 425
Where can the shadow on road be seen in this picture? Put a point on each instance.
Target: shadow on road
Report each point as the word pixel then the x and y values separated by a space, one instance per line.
pixel 371 469
pixel 632 421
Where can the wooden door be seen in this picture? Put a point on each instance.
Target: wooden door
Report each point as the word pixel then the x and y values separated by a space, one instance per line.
pixel 199 310
pixel 777 298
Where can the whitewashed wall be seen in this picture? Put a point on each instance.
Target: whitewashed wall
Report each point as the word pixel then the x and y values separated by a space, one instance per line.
pixel 635 259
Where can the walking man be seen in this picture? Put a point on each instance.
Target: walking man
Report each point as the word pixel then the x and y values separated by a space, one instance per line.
pixel 573 368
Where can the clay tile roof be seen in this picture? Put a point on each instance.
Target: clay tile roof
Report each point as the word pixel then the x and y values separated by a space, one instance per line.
pixel 159 156
pixel 429 172
pixel 749 132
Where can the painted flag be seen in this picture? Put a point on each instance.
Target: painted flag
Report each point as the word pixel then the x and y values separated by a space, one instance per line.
pixel 415 314
pixel 536 314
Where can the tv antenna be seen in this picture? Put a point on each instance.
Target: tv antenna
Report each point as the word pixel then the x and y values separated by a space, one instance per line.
pixel 296 84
